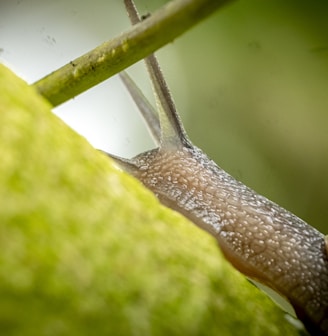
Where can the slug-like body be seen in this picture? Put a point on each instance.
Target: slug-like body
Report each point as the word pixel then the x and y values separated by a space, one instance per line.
pixel 261 239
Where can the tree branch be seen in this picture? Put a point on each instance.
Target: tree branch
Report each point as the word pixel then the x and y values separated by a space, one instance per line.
pixel 111 57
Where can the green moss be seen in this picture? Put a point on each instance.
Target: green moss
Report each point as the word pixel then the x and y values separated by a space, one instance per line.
pixel 85 249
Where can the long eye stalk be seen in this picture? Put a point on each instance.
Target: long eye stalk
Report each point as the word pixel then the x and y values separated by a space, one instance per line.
pixel 172 131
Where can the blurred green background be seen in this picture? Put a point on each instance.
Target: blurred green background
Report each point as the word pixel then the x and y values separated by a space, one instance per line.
pixel 255 98
pixel 250 83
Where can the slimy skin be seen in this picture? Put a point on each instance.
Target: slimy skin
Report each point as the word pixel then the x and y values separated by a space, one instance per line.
pixel 262 240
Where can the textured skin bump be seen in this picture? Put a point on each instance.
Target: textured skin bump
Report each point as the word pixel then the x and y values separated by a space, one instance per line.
pixel 262 240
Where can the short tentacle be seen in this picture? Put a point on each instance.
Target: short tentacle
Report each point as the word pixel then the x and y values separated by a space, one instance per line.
pixel 125 164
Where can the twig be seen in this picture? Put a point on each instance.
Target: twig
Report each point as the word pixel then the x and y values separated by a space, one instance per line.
pixel 111 57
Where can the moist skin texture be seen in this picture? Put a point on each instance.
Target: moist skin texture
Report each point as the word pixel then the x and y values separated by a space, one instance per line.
pixel 262 240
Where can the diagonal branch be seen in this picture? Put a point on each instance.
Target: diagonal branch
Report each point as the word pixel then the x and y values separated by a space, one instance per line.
pixel 111 57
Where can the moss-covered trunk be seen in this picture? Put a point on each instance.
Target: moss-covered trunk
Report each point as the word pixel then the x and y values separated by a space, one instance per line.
pixel 86 250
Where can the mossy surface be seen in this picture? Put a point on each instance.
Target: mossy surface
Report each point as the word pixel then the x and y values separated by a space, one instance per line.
pixel 86 250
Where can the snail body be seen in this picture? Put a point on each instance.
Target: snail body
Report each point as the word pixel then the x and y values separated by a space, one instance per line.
pixel 265 242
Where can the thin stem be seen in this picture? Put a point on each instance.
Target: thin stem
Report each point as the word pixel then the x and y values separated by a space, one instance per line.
pixel 113 56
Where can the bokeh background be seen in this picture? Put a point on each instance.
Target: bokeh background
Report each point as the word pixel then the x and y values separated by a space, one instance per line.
pixel 251 84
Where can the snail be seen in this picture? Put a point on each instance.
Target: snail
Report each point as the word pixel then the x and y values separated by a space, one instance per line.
pixel 268 244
